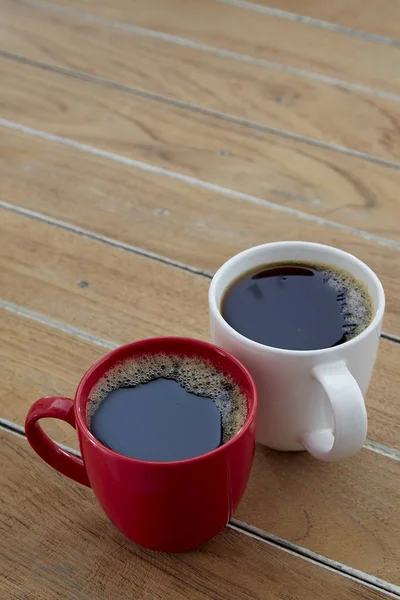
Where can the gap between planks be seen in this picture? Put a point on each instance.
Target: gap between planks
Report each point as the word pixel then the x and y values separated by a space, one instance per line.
pixel 194 182
pixel 305 20
pixel 208 112
pixel 86 233
pixel 269 539
pixel 187 43
pixel 86 336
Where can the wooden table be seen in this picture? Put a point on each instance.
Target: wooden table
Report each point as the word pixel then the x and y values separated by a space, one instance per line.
pixel 143 142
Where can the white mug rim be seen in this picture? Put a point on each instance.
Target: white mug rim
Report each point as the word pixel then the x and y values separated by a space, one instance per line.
pixel 379 309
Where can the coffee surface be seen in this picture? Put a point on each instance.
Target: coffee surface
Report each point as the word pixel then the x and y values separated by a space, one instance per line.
pixel 165 407
pixel 297 305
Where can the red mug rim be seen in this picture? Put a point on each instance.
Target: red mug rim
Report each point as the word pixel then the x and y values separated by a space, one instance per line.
pixel 251 397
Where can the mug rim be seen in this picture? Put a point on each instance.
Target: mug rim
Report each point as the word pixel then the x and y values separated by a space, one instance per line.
pixel 216 311
pixel 80 416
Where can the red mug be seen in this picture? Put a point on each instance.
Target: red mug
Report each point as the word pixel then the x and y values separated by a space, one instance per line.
pixel 167 506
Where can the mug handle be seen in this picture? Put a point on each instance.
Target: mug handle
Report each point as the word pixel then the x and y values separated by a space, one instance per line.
pixel 349 415
pixel 55 407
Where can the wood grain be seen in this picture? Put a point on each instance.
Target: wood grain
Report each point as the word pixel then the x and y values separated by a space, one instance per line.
pixel 37 360
pixel 325 507
pixel 379 17
pixel 290 44
pixel 383 399
pixel 124 297
pixel 271 98
pixel 347 511
pixel 340 188
pixel 66 548
pixel 174 219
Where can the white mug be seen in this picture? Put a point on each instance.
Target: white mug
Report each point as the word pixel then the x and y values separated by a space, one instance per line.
pixel 308 399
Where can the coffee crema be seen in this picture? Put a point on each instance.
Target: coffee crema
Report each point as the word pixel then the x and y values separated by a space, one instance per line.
pixel 298 305
pixel 165 407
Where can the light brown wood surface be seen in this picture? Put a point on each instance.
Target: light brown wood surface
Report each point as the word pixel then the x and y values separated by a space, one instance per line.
pixel 264 97
pixel 81 556
pixel 183 222
pixel 142 143
pixel 315 50
pixel 127 296
pixel 312 180
pixel 327 508
pixel 377 17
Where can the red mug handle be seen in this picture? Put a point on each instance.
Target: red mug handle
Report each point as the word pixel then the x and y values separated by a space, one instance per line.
pixel 54 407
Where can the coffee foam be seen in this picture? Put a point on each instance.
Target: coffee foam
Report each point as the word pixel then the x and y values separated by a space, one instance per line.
pixel 353 295
pixel 356 302
pixel 195 375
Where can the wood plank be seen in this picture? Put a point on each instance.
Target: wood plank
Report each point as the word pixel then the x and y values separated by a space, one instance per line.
pixel 275 99
pixel 325 507
pixel 383 399
pixel 378 17
pixel 347 511
pixel 78 553
pixel 124 297
pixel 37 360
pixel 291 44
pixel 328 184
pixel 174 219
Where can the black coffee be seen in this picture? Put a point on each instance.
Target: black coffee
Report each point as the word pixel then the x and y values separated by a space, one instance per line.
pixel 165 407
pixel 297 305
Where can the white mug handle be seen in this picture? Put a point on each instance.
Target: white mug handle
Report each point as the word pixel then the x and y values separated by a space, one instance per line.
pixel 349 415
